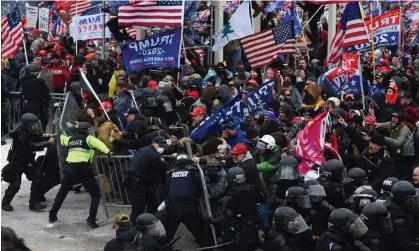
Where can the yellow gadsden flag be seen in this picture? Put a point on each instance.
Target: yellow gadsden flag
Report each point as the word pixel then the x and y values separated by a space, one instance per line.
pixel 112 85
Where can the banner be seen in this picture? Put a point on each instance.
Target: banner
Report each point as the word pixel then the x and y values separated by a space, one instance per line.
pixel 88 27
pixel 258 100
pixel 161 50
pixel 386 32
pixel 43 19
pixel 275 6
pixel 343 79
pixel 31 16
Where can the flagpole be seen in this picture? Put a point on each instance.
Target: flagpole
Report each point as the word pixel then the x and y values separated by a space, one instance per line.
pixel 24 48
pixel 361 84
pixel 372 43
pixel 103 34
pixel 311 18
pixel 75 39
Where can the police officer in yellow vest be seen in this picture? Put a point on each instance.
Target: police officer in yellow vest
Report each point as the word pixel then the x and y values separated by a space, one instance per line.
pixel 81 148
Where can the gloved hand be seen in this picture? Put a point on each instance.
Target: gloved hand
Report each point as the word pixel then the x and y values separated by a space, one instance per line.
pixel 111 154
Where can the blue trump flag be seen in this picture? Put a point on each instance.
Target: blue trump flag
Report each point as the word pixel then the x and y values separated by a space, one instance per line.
pixel 339 81
pixel 161 50
pixel 260 98
pixel 212 125
pixel 297 23
pixel 274 7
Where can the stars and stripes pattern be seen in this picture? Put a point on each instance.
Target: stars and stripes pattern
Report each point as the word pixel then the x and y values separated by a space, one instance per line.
pixel 335 53
pixel 152 13
pixel 11 33
pixel 56 27
pixel 78 7
pixel 261 48
pixel 353 26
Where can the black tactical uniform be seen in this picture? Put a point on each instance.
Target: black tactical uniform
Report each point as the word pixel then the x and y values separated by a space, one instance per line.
pixel 241 215
pixel 385 196
pixel 404 210
pixel 380 227
pixel 21 157
pixel 149 102
pixel 183 191
pixel 344 229
pixel 332 176
pixel 289 232
pixel 356 178
pixel 298 199
pixel 363 198
pixel 35 93
pixel 318 202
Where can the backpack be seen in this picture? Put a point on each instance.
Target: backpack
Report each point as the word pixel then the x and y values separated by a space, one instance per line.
pixel 135 245
pixel 408 147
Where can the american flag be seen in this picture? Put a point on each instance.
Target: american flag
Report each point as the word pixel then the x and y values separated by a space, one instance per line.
pixel 56 27
pixel 261 48
pixel 12 33
pixel 91 11
pixel 78 7
pixel 131 32
pixel 351 32
pixel 152 13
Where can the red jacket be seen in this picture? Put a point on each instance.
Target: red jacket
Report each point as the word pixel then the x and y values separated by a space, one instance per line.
pixel 59 75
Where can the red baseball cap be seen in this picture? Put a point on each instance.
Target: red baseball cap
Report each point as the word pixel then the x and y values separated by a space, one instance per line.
pixel 35 31
pixel 106 104
pixel 253 82
pixel 199 111
pixel 239 149
pixel 369 120
pixel 384 69
pixel 153 85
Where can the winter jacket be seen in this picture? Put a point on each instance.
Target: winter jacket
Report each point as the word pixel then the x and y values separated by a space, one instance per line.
pixel 104 133
pixel 121 105
pixel 59 77
pixel 268 162
pixel 378 167
pixel 397 136
pixel 315 92
pixel 250 169
pixel 127 234
pixel 383 112
pixel 410 112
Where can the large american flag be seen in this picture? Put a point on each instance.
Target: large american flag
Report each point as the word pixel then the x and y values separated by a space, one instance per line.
pixel 261 48
pixel 79 6
pixel 11 33
pixel 152 13
pixel 352 32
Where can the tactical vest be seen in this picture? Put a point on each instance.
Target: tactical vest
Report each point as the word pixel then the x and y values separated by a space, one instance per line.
pixel 78 143
pixel 183 185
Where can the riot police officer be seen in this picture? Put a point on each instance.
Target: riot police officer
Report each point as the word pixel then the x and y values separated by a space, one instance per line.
pixel 380 226
pixel 344 230
pixel 332 176
pixel 298 199
pixel 318 201
pixel 26 140
pixel 404 209
pixel 363 198
pixel 385 195
pixel 35 93
pixel 81 149
pixel 240 212
pixel 149 102
pixel 356 178
pixel 289 232
pixel 184 189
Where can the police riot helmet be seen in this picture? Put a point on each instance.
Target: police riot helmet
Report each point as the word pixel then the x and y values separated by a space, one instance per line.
pixel 333 170
pixel 297 195
pixel 375 215
pixel 405 194
pixel 364 197
pixel 343 221
pixel 31 123
pixel 288 168
pixel 288 219
pixel 149 97
pixel 235 176
pixel 314 190
pixel 165 102
pixel 358 176
pixel 29 71
pixel 150 225
pixel 81 127
pixel 388 183
pixel 358 191
pixel 183 159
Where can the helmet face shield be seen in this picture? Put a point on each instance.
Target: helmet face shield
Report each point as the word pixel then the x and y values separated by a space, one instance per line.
pixel 287 173
pixel 36 128
pixel 168 106
pixel 412 204
pixel 357 228
pixel 295 225
pixel 387 224
pixel 304 201
pixel 316 190
pixel 155 230
pixel 151 101
pixel 261 145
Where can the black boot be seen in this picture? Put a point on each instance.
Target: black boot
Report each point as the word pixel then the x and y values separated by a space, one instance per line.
pixel 36 206
pixel 52 217
pixel 92 223
pixel 6 207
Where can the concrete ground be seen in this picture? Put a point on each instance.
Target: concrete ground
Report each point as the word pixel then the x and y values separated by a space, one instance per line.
pixel 70 232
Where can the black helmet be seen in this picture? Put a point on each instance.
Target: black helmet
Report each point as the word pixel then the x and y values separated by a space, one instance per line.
pixel 375 215
pixel 165 102
pixel 149 97
pixel 315 190
pixel 29 71
pixel 389 183
pixel 235 176
pixel 288 168
pixel 297 195
pixel 81 127
pixel 150 225
pixel 333 170
pixel 364 197
pixel 183 159
pixel 31 123
pixel 404 194
pixel 288 219
pixel 343 221
pixel 358 191
pixel 358 176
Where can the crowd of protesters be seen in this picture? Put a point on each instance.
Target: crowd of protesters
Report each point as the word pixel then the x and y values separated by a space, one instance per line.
pixel 152 112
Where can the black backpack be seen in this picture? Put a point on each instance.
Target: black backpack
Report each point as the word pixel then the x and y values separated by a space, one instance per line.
pixel 135 245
